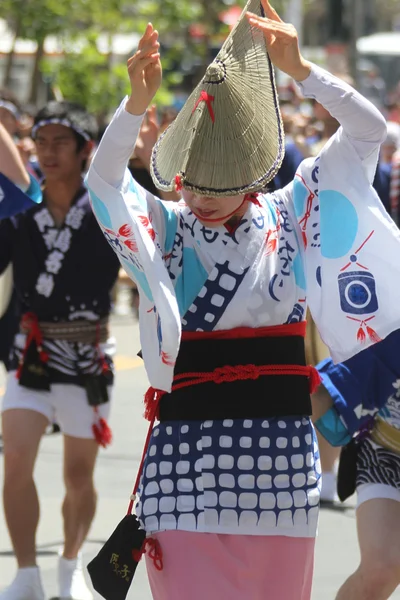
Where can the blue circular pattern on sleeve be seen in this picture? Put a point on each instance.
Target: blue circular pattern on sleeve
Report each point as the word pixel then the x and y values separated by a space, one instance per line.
pixel 339 224
pixel 101 211
pixel 300 195
pixel 139 277
pixel 298 271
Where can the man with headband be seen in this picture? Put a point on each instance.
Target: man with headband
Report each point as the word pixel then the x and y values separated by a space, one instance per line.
pixel 10 112
pixel 61 364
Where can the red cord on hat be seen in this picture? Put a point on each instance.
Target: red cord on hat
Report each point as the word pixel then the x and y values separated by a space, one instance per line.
pixel 178 183
pixel 208 99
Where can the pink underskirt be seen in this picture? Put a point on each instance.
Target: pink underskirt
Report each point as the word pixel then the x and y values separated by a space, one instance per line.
pixel 210 566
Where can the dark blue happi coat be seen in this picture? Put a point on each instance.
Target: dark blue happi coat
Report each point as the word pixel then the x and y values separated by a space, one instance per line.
pixel 80 271
pixel 361 386
pixel 60 273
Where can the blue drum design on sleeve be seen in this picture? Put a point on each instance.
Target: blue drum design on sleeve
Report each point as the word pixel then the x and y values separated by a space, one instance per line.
pixel 357 291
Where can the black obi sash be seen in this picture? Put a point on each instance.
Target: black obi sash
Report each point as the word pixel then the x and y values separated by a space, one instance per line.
pixel 263 396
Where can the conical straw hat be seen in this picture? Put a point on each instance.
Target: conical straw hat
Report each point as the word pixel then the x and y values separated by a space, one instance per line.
pixel 228 139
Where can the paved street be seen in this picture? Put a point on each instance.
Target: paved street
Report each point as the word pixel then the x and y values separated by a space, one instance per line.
pixel 337 553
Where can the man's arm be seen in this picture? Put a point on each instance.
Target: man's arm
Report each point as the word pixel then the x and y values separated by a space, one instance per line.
pixel 11 164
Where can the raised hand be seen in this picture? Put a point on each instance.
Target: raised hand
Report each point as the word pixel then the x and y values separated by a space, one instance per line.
pixel 148 136
pixel 282 42
pixel 145 72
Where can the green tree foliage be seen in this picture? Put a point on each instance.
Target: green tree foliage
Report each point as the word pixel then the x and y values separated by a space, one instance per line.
pixel 94 79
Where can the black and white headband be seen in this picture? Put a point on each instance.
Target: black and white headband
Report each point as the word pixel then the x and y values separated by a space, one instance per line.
pixel 10 106
pixel 57 121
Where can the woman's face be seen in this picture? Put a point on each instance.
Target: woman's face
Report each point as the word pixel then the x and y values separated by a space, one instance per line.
pixel 214 212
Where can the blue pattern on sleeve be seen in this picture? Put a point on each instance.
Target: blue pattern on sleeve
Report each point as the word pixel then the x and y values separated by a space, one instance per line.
pixel 139 277
pixel 171 222
pixel 34 191
pixel 298 270
pixel 339 224
pixel 100 210
pixel 12 200
pixel 190 281
pixel 300 194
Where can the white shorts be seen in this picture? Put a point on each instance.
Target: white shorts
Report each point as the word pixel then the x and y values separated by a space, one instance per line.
pixel 65 404
pixel 376 491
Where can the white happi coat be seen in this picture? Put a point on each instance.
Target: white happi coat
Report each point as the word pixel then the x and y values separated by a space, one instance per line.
pixel 324 240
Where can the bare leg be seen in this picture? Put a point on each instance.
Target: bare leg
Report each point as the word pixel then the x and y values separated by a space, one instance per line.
pixel 328 454
pixel 79 505
pixel 321 403
pixel 22 431
pixel 378 525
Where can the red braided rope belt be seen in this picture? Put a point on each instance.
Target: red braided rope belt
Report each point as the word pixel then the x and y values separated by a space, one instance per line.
pixel 224 375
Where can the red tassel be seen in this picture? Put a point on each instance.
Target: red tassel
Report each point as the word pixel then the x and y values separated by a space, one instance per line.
pixel 178 183
pixel 151 401
pixel 373 336
pixel 314 380
pixel 305 242
pixel 153 548
pixel 102 433
pixel 44 357
pixel 361 337
pixel 137 554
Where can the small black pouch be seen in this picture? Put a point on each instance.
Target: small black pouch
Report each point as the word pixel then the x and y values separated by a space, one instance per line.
pixel 112 570
pixel 347 472
pixel 34 371
pixel 96 387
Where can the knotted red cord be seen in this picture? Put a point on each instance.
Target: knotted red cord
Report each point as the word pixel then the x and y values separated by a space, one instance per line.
pixel 153 549
pixel 30 326
pixel 208 99
pixel 227 374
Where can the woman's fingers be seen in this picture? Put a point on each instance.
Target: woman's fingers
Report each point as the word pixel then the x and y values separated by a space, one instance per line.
pixel 270 12
pixel 279 29
pixel 146 35
pixel 148 48
pixel 138 64
pixel 150 44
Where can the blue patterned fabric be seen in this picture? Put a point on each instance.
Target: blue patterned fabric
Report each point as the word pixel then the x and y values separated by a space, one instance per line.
pixel 13 201
pixel 364 385
pixel 256 476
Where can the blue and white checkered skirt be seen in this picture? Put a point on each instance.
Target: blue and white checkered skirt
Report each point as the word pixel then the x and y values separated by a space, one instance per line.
pixel 259 477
